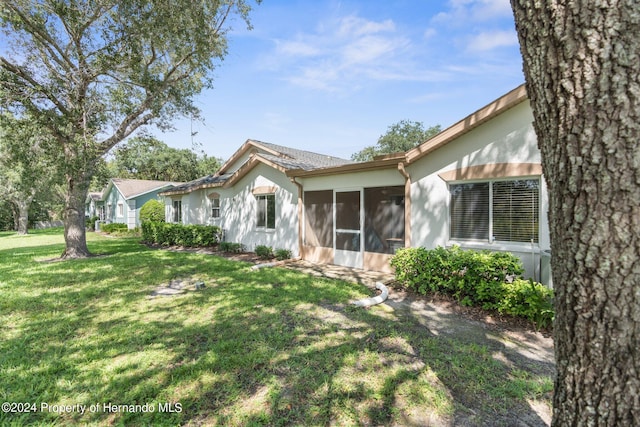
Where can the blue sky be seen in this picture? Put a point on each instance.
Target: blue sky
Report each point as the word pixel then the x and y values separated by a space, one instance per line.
pixel 330 76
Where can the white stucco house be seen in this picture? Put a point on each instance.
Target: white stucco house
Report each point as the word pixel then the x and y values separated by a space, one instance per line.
pixel 477 184
pixel 251 197
pixel 122 199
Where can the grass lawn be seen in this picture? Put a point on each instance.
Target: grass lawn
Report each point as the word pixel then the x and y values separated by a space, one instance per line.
pixel 266 347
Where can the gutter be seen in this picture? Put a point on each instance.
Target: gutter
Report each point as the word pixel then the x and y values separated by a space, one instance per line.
pixel 300 206
pixel 407 203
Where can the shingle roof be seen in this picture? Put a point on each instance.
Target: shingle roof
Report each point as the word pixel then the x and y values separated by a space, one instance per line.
pixel 204 182
pixel 135 187
pixel 301 159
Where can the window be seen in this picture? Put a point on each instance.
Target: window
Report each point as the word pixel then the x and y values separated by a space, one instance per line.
pixel 318 214
pixel 506 210
pixel 383 219
pixel 215 207
pixel 177 211
pixel 266 211
pixel 120 210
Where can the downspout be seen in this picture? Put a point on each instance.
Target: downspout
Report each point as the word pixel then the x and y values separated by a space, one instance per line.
pixel 407 204
pixel 297 184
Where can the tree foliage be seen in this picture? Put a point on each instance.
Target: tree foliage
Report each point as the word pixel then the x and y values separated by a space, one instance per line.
pixel 91 73
pixel 25 173
pixel 145 157
pixel 401 136
pixel 582 69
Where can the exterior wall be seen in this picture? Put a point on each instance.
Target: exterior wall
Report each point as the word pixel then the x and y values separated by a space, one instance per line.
pixel 508 138
pixel 238 211
pixel 111 201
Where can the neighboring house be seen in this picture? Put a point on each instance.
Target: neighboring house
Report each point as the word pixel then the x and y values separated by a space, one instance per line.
pixel 250 198
pixel 122 199
pixel 94 205
pixel 477 184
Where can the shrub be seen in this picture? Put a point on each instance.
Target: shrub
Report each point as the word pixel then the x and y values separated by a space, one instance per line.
pixel 264 252
pixel 152 211
pixel 231 247
pixel 528 299
pixel 479 278
pixel 114 227
pixel 282 254
pixel 168 234
pixel 91 222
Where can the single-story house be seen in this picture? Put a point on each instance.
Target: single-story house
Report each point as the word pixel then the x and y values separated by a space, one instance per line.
pixel 250 198
pixel 122 199
pixel 477 184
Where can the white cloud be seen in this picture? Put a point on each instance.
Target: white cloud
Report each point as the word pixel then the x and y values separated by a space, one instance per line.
pixel 462 12
pixel 339 53
pixel 493 39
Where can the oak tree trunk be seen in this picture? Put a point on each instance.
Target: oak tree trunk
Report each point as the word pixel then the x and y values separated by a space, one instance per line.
pixel 582 68
pixel 74 220
pixel 22 209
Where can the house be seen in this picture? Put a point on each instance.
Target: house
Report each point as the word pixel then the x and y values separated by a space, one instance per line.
pixel 477 184
pixel 93 205
pixel 122 199
pixel 250 198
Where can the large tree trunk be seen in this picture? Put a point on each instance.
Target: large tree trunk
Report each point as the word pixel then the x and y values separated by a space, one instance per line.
pixel 582 67
pixel 22 209
pixel 74 221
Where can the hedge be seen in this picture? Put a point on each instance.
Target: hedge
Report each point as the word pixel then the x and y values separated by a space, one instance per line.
pixel 113 227
pixel 491 280
pixel 168 234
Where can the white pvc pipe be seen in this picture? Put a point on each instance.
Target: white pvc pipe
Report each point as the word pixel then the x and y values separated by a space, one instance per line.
pixel 367 302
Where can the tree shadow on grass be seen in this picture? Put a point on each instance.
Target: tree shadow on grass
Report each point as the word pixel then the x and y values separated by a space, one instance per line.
pixel 272 347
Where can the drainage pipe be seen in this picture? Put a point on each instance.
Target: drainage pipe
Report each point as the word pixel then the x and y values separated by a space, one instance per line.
pixel 367 302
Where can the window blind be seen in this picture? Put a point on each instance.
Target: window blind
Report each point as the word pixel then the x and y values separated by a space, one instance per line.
pixel 470 211
pixel 515 210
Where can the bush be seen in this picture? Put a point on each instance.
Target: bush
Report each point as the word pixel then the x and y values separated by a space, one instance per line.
pixel 479 278
pixel 114 227
pixel 91 222
pixel 528 299
pixel 264 252
pixel 152 211
pixel 282 254
pixel 231 247
pixel 168 234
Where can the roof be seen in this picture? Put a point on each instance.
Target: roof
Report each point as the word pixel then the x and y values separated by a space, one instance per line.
pixel 130 188
pixel 276 156
pixel 290 158
pixel 208 181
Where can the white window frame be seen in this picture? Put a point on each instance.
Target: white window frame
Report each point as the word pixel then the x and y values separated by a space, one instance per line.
pixel 177 212
pixel 265 197
pixel 120 210
pixel 215 207
pixel 491 237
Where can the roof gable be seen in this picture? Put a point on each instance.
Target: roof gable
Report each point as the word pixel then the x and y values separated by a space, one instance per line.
pixel 291 158
pixel 131 188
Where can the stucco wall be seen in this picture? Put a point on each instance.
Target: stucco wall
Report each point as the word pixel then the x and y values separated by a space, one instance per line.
pixel 239 217
pixel 507 138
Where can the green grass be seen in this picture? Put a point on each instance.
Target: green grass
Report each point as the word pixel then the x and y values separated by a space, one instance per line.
pixel 266 347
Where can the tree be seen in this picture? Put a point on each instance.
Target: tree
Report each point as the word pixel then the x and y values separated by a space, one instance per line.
pixel 91 73
pixel 24 171
pixel 146 157
pixel 401 136
pixel 582 69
